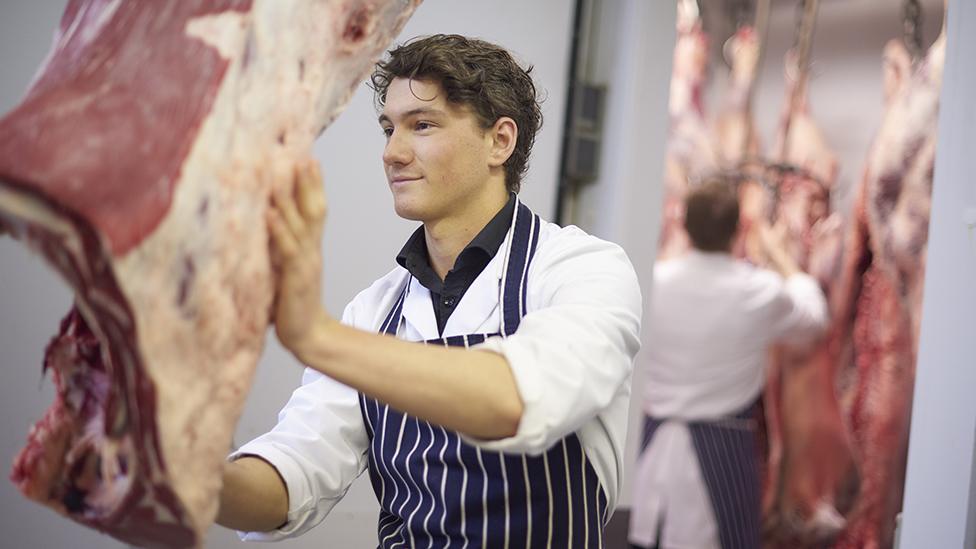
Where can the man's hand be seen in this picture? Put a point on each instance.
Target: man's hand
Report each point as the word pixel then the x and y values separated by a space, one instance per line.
pixel 772 245
pixel 295 221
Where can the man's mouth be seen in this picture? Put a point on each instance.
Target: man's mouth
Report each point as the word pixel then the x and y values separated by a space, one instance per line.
pixel 402 180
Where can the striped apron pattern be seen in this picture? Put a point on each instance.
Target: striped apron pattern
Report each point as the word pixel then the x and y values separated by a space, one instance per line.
pixel 435 490
pixel 726 450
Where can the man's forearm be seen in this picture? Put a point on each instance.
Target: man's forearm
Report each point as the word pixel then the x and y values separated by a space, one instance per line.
pixel 253 497
pixel 472 392
pixel 783 263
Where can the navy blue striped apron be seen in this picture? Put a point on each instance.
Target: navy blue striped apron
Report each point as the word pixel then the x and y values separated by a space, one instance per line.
pixel 435 490
pixel 726 450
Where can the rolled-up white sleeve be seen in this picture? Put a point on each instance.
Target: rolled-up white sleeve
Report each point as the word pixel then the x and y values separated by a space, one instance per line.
pixel 319 448
pixel 573 352
pixel 801 310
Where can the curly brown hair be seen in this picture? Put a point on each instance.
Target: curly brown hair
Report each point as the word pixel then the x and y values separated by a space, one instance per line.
pixel 473 73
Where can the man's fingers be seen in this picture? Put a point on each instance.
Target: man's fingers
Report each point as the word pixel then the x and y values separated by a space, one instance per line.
pixel 284 202
pixel 311 192
pixel 780 228
pixel 283 242
pixel 298 203
pixel 762 233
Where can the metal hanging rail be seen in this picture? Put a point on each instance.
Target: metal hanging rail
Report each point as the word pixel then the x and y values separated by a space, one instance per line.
pixel 802 45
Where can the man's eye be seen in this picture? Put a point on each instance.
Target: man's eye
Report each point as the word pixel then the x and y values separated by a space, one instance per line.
pixel 424 126
pixel 388 131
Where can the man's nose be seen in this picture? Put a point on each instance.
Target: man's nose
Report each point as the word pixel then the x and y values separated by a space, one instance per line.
pixel 397 150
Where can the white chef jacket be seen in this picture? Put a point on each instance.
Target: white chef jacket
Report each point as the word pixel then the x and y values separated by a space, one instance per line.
pixel 571 357
pixel 711 321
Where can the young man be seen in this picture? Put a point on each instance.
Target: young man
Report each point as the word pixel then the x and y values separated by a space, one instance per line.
pixel 505 429
pixel 711 321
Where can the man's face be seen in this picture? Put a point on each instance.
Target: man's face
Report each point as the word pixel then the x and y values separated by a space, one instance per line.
pixel 437 156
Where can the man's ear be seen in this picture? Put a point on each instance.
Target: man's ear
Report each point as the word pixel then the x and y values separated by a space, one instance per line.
pixel 503 135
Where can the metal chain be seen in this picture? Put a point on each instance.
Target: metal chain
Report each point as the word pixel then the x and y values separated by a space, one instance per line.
pixel 793 72
pixel 912 24
pixel 798 26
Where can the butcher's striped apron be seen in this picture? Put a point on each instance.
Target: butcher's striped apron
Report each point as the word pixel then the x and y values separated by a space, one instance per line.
pixel 726 450
pixel 435 490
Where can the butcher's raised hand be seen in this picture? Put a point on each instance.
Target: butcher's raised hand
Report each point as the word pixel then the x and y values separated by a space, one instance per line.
pixel 772 244
pixel 295 221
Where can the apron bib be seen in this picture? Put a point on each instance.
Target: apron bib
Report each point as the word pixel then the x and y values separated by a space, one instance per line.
pixel 435 490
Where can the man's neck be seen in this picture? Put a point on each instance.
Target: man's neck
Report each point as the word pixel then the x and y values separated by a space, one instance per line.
pixel 448 236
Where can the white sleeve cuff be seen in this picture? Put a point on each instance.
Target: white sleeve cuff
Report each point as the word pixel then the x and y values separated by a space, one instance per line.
pixel 803 284
pixel 810 315
pixel 531 435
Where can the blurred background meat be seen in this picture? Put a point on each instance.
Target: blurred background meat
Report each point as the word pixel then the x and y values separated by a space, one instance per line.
pixel 881 291
pixel 691 151
pixel 855 213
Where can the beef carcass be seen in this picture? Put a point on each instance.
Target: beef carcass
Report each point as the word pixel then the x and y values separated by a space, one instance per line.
pixel 737 140
pixel 876 305
pixel 810 460
pixel 690 153
pixel 735 132
pixel 138 165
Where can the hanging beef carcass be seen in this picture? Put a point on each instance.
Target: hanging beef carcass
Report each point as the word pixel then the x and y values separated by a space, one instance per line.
pixel 800 191
pixel 138 165
pixel 737 140
pixel 876 302
pixel 690 153
pixel 735 133
pixel 810 460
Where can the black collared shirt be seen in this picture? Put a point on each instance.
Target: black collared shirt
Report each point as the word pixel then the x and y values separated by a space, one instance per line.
pixel 446 294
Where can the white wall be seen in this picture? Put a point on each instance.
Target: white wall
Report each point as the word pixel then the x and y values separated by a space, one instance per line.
pixel 32 301
pixel 632 44
pixel 362 238
pixel 940 502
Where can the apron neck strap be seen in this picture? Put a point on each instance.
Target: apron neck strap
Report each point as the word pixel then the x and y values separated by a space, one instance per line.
pixel 523 237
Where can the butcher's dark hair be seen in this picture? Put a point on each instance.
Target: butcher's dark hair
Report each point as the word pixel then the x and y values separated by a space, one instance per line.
pixel 473 73
pixel 712 213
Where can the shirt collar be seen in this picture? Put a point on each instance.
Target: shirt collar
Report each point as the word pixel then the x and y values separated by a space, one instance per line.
pixel 490 239
pixel 484 246
pixel 701 255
